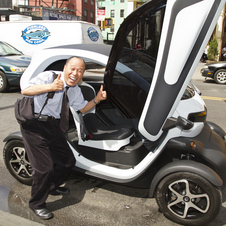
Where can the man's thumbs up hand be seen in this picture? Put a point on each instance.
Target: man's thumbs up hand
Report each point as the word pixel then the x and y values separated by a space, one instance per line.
pixel 57 84
pixel 102 95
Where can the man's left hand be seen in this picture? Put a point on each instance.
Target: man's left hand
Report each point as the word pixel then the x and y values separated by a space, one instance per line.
pixel 101 95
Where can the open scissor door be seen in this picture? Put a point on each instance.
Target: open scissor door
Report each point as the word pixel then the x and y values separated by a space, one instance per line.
pixel 154 56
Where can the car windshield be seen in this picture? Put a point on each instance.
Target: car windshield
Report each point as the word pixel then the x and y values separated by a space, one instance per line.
pixel 8 50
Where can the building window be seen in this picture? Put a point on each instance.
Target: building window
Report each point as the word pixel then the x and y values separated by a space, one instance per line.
pixel 3 18
pixel 112 29
pixel 121 12
pixel 112 13
pixel 85 15
pixel 122 1
pixel 85 1
pixel 91 2
pixel 91 17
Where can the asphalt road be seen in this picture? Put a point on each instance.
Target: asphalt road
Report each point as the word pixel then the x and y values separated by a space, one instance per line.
pixel 93 202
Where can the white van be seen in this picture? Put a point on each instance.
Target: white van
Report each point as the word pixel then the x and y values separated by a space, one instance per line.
pixel 29 36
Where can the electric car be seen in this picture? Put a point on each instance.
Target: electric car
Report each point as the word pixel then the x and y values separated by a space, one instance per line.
pixel 151 132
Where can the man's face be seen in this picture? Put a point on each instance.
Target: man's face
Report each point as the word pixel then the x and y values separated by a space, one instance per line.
pixel 73 71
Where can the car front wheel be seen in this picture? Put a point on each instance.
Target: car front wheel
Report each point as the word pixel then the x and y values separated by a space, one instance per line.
pixel 188 199
pixel 220 76
pixel 16 161
pixel 4 84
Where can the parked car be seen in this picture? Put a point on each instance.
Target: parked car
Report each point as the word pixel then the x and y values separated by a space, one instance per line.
pixel 12 65
pixel 216 71
pixel 151 132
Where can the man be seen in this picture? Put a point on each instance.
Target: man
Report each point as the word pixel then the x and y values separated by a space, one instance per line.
pixel 49 154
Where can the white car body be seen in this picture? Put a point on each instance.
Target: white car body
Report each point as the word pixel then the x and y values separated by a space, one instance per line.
pixel 151 132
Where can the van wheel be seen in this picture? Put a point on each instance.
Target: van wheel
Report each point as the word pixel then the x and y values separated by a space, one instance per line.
pixel 4 84
pixel 188 199
pixel 16 161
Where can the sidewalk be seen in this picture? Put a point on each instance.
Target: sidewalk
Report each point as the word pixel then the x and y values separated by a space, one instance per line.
pixel 8 219
pixel 197 75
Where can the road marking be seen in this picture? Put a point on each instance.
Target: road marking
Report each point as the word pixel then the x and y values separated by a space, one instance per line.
pixel 213 98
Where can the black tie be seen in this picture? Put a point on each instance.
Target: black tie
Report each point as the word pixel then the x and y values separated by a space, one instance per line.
pixel 64 115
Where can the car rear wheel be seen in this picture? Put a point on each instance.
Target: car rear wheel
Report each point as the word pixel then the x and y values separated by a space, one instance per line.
pixel 220 76
pixel 16 161
pixel 4 84
pixel 188 199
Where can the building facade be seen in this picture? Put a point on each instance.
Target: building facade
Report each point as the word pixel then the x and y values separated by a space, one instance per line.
pixel 116 10
pixel 57 9
pixel 86 10
pixel 220 32
pixel 5 4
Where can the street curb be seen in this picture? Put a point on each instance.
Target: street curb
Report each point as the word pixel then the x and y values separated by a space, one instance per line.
pixel 197 73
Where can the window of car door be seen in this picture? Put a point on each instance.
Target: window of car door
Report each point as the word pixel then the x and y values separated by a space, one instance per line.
pixel 129 84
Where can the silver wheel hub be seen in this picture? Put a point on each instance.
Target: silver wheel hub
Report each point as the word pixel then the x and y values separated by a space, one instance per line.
pixel 221 76
pixel 19 164
pixel 1 82
pixel 186 200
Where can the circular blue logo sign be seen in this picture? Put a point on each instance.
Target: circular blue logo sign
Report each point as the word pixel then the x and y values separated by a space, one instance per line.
pixel 93 34
pixel 35 34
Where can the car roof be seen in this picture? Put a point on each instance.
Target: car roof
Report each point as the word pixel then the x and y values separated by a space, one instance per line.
pixel 43 58
pixel 97 48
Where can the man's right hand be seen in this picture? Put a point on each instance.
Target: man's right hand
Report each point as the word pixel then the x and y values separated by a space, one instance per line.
pixel 58 84
pixel 36 89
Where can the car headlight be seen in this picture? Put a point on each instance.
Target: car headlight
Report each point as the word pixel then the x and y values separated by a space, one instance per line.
pixel 205 67
pixel 18 69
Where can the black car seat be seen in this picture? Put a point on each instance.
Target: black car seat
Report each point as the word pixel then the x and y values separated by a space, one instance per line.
pixel 94 128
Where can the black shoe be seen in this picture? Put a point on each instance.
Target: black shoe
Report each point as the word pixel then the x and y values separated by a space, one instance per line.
pixel 43 213
pixel 60 191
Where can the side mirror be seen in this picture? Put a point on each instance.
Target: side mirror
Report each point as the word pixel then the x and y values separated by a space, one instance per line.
pixel 180 122
pixel 184 124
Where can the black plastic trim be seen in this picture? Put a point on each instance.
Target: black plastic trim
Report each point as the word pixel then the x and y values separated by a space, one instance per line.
pixel 185 166
pixel 13 136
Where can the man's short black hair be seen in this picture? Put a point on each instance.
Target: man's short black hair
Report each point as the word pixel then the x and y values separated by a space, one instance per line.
pixel 77 58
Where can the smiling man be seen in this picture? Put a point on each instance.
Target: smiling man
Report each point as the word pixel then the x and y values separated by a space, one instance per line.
pixel 49 154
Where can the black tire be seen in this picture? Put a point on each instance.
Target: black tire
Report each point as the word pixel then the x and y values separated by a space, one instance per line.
pixel 220 76
pixel 17 162
pixel 4 84
pixel 188 199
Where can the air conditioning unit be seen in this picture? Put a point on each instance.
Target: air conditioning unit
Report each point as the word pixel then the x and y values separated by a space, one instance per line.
pixel 17 17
